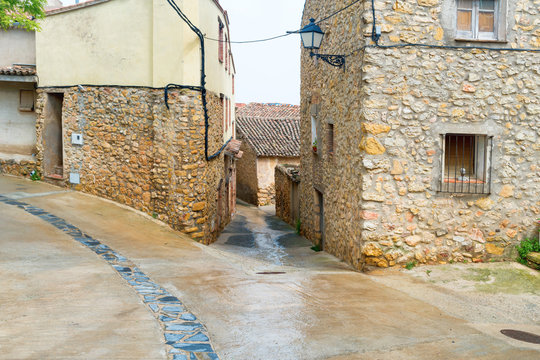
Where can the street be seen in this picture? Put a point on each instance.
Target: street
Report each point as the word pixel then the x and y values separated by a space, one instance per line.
pixel 85 278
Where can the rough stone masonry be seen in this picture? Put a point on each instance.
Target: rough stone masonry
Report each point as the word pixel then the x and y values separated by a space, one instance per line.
pixel 390 110
pixel 137 152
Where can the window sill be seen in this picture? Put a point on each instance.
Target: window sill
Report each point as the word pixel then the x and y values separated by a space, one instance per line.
pixel 481 41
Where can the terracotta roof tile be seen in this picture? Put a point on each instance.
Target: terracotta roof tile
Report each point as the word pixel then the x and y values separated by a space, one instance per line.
pixel 270 129
pixel 233 148
pixel 276 111
pixel 18 70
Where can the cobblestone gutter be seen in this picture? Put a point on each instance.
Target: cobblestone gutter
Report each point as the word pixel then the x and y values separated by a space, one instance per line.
pixel 185 337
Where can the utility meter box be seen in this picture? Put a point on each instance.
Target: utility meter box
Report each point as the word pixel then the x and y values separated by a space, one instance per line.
pixel 76 139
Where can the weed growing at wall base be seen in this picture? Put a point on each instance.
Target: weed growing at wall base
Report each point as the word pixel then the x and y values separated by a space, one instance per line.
pixel 525 247
pixel 410 265
pixel 316 248
pixel 35 176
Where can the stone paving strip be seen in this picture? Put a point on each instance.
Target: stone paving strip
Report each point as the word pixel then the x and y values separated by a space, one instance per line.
pixel 185 337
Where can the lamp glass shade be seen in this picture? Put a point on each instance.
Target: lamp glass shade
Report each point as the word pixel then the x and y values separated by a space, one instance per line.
pixel 311 35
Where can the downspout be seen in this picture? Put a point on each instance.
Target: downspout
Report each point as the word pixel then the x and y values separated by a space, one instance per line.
pixel 201 88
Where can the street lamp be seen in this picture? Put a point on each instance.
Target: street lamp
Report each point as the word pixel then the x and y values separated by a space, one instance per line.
pixel 312 36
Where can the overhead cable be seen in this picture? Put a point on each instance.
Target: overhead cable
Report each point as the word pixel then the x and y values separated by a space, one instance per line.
pixel 288 32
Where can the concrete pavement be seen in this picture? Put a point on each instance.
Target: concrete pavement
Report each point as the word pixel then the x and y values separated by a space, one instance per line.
pixel 315 307
pixel 58 301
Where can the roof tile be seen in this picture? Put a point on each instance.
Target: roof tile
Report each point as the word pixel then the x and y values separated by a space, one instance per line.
pixel 270 129
pixel 18 70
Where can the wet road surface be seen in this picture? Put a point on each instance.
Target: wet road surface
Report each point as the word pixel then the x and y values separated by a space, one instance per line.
pixel 265 243
pixel 317 309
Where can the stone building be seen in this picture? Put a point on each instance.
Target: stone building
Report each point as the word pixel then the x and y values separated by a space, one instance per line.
pixel 270 136
pixel 110 123
pixel 287 185
pixel 428 137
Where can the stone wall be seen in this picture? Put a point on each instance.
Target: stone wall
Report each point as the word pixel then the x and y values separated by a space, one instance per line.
pixel 137 152
pixel 391 108
pixel 265 173
pixel 246 179
pixel 18 167
pixel 285 177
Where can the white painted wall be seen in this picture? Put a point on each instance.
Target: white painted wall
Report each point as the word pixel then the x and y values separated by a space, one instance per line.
pixel 17 128
pixel 266 167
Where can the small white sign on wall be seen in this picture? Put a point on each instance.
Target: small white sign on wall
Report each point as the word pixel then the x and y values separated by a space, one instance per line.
pixel 76 139
pixel 74 178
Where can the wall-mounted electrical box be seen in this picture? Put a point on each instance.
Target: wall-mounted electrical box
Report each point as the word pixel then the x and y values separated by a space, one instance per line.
pixel 76 139
pixel 74 178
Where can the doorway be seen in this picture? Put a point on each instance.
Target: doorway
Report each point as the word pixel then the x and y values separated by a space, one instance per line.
pixel 319 209
pixel 295 202
pixel 53 149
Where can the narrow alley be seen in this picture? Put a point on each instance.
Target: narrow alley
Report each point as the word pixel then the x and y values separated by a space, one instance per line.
pixel 264 243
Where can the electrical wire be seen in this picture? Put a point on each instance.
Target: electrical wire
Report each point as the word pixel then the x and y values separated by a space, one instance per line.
pixel 375 37
pixel 288 32
pixel 202 88
pixel 337 12
pixel 251 41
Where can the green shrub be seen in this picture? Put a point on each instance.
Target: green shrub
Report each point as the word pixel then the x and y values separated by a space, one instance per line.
pixel 410 265
pixel 298 226
pixel 35 176
pixel 316 248
pixel 525 247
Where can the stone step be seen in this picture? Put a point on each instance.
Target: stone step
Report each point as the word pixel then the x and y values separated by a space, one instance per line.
pixel 533 260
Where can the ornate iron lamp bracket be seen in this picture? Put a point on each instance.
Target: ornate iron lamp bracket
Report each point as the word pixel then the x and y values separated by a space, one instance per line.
pixel 334 60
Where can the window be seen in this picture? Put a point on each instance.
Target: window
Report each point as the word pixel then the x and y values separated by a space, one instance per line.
pixel 330 138
pixel 226 114
pixel 314 134
pixel 229 112
pixel 226 54
pixel 466 164
pixel 478 19
pixel 26 100
pixel 222 99
pixel 221 41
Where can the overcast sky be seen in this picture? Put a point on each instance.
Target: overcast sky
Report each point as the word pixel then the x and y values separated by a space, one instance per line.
pixel 269 71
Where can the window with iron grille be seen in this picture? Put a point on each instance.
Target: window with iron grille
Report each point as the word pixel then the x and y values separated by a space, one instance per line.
pixel 466 164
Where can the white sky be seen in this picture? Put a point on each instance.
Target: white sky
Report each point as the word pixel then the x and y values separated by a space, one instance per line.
pixel 266 72
pixel 269 71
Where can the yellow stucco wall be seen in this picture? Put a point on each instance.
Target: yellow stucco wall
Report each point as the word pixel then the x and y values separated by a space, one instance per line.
pixel 132 43
pixel 108 43
pixel 18 47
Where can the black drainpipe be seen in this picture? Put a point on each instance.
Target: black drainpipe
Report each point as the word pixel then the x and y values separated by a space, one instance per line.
pixel 201 88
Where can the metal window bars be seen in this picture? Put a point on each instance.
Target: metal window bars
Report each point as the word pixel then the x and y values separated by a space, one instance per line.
pixel 466 164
